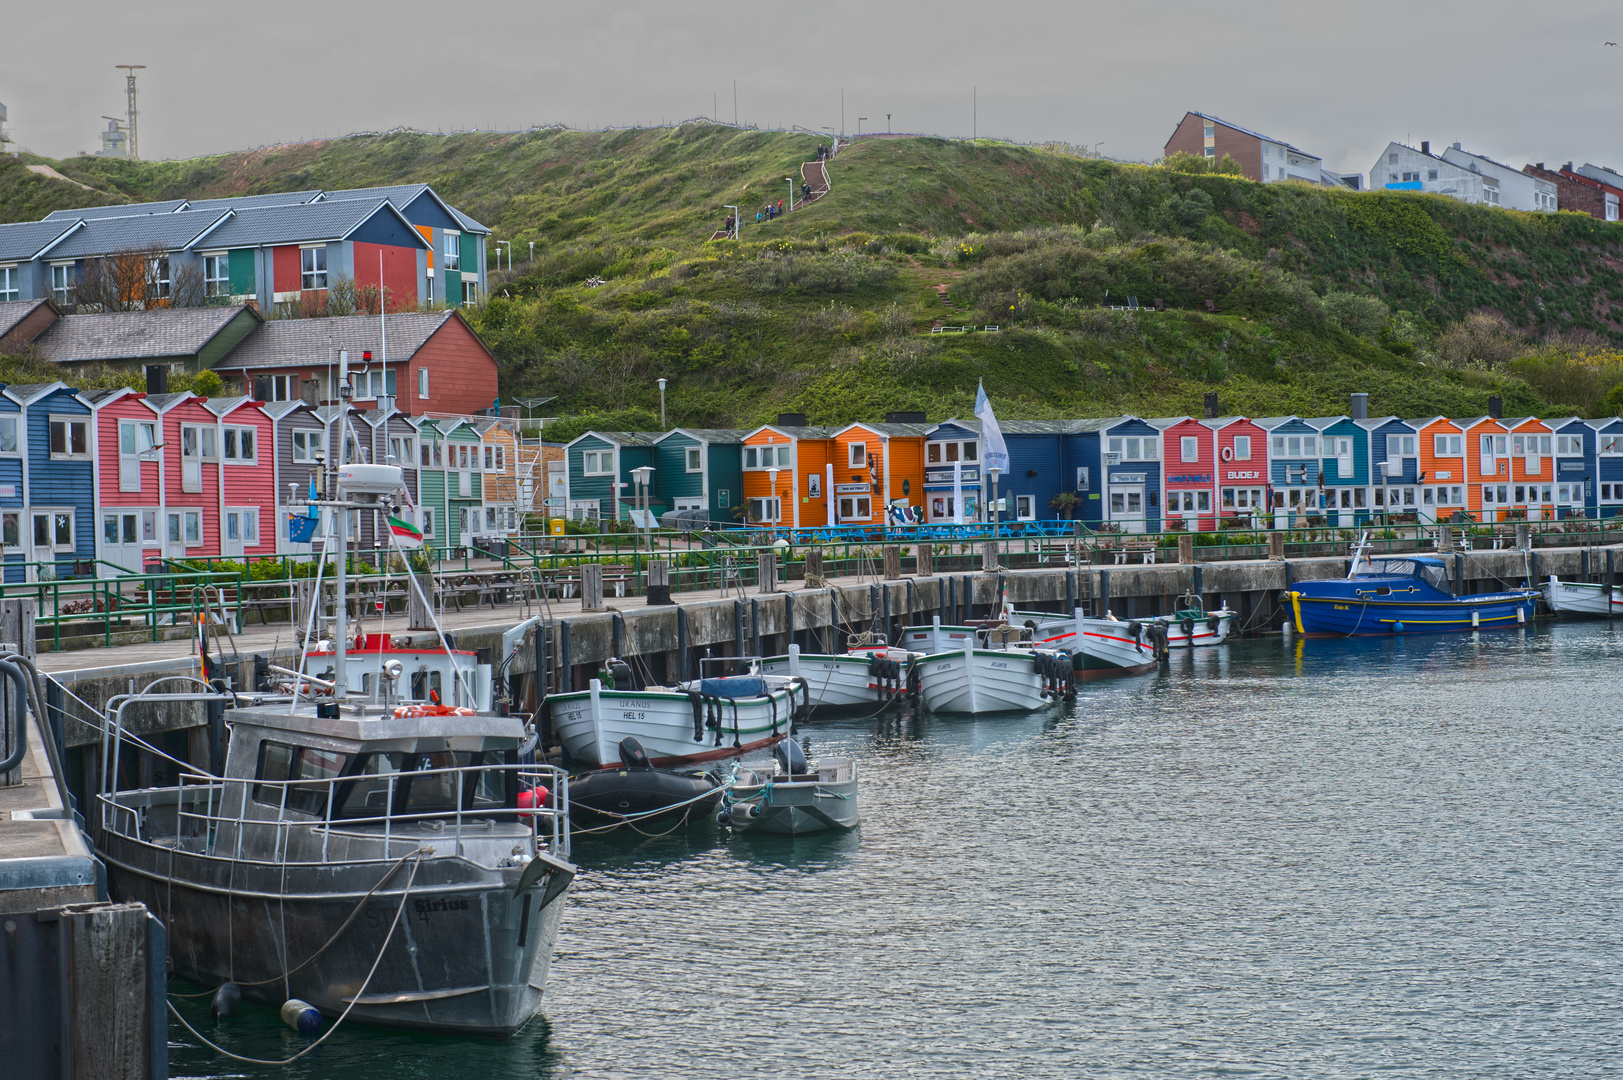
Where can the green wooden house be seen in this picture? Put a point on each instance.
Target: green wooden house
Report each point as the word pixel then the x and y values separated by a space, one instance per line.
pixel 700 469
pixel 600 480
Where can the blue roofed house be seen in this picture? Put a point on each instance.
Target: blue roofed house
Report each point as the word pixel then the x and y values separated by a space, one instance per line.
pixel 1037 469
pixel 57 450
pixel 1394 462
pixel 1575 477
pixel 1608 466
pixel 1343 470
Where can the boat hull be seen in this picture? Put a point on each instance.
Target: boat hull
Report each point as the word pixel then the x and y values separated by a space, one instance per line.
pixel 795 808
pixel 1344 616
pixel 591 724
pixel 1581 598
pixel 973 681
pixel 468 957
pixel 839 680
pixel 1104 648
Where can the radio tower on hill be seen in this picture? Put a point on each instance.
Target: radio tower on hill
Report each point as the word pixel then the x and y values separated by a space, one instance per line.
pixel 134 149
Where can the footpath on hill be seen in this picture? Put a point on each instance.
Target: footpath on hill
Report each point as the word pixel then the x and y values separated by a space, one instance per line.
pixel 814 185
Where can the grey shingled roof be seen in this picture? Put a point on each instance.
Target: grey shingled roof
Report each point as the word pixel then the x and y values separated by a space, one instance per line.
pixel 164 401
pixel 628 438
pixel 402 195
pixel 221 405
pixel 23 240
pixel 1017 427
pixel 712 435
pixel 300 224
pixel 250 202
pixel 893 429
pixel 305 342
pixel 800 432
pixel 106 236
pixel 168 206
pixel 134 335
pixel 29 391
pixel 13 312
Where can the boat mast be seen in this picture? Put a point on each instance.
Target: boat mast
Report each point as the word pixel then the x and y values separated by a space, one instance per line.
pixel 340 519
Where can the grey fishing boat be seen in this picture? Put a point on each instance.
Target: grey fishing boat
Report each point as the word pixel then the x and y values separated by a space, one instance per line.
pixel 790 794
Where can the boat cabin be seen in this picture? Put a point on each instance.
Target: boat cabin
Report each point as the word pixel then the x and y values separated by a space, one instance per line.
pixel 1429 569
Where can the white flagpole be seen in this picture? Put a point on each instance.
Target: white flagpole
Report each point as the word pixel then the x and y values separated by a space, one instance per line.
pixel 958 493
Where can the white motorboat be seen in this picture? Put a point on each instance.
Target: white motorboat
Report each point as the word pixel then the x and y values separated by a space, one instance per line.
pixel 1581 598
pixel 855 679
pixel 988 672
pixel 1102 648
pixel 791 795
pixel 1191 626
pixel 698 720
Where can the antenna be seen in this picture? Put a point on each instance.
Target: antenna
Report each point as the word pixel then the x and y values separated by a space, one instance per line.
pixel 129 85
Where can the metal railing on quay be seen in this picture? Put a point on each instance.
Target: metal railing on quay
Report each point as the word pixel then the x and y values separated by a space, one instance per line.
pixel 97 597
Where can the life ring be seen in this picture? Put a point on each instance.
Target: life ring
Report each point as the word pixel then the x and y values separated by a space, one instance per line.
pixel 407 712
pixel 1228 453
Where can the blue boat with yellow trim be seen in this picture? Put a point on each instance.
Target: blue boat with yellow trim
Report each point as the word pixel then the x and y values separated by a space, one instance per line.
pixel 1401 594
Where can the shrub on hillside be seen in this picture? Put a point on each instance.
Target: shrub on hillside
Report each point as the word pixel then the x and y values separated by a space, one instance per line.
pixel 1483 339
pixel 815 273
pixel 1364 316
pixel 1586 380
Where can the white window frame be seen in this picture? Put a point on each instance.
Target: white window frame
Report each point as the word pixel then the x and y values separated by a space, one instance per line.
pixel 453 250
pixel 1188 448
pixel 62 282
pixel 217 273
pixel 313 267
pixel 11 529
pixel 8 424
pixel 231 436
pixel 1569 446
pixel 1025 507
pixel 1242 448
pixel 1609 445
pixel 132 450
pixel 1450 446
pixel 694 459
pixel 9 289
pixel 401 448
pixel 69 422
pixel 857 455
pixel 856 507
pixel 765 508
pixel 593 462
pixel 311 441
pixel 55 514
pixel 158 270
pixel 422 383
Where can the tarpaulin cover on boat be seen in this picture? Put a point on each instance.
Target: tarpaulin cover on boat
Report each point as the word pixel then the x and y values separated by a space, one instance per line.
pixel 733 686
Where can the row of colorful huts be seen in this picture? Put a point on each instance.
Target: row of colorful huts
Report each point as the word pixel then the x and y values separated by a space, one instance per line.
pixel 119 479
pixel 1136 474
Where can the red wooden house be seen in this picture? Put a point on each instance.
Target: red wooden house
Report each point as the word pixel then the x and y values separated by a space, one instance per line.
pixel 1188 459
pixel 1241 469
pixel 129 495
pixel 246 477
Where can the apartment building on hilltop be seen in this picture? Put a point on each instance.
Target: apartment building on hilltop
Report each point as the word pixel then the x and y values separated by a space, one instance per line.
pixel 1261 157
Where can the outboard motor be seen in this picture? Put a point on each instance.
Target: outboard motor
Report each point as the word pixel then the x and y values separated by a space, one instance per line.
pixel 790 756
pixel 632 755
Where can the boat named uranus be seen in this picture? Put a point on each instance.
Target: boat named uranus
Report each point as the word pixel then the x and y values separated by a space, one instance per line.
pixel 1401 594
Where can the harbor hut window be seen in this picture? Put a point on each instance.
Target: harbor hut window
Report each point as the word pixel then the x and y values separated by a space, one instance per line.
pixel 217 274
pixel 1242 448
pixel 597 462
pixel 855 508
pixel 1569 445
pixel 1400 446
pixel 767 457
pixel 859 455
pixel 770 509
pixel 1493 448
pixel 305 445
pixel 400 449
pixel 70 437
pixel 695 459
pixel 1131 449
pixel 1025 507
pixel 1188 448
pixel 8 435
pixel 54 529
pixel 11 531
pixel 1611 444
pixel 1448 446
pixel 1242 498
pixel 239 445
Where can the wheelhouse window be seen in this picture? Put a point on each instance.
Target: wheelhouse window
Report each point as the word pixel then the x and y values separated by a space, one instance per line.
pixel 414 784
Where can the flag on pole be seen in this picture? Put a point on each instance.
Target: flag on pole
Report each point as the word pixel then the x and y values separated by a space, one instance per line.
pixel 994 451
pixel 409 535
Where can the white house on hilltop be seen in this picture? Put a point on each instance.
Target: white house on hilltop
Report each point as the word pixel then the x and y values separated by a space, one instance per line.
pixel 1403 168
pixel 1503 185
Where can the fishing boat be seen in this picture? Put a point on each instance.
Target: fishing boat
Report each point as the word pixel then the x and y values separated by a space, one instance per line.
pixel 1101 648
pixel 991 670
pixel 1581 598
pixel 699 720
pixel 382 857
pixel 792 795
pixel 1191 626
pixel 858 678
pixel 1399 594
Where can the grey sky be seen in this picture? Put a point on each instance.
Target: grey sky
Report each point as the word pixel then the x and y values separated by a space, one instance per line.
pixel 1517 83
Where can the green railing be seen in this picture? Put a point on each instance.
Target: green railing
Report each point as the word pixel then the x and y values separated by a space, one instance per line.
pixel 119 599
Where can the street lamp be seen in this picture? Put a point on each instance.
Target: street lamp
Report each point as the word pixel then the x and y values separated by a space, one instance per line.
pixel 662 404
pixel 532 251
pixel 641 474
pixel 860 119
pixel 887 123
pixel 791 182
pixel 508 244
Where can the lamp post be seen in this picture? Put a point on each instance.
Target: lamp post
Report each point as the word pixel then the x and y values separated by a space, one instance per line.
pixel 772 485
pixel 791 182
pixel 508 244
pixel 662 404
pixel 860 119
pixel 532 251
pixel 887 123
pixel 734 209
pixel 641 475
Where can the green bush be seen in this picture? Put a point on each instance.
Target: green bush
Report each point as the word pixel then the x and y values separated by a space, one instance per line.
pixel 815 273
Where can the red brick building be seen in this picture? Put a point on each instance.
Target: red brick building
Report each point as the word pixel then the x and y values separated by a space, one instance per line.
pixel 1261 157
pixel 1589 194
pixel 433 362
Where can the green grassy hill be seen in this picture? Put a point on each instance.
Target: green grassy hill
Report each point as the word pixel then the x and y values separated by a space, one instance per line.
pixel 1424 303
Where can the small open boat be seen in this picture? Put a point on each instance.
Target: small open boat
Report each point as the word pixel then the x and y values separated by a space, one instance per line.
pixel 1581 598
pixel 1101 648
pixel 791 795
pixel 859 678
pixel 989 671
pixel 1191 626
pixel 699 720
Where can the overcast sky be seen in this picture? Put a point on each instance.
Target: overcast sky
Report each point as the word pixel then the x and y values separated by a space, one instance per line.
pixel 1517 82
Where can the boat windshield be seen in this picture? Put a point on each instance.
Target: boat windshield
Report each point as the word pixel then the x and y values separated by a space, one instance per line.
pixel 418 789
pixel 1434 575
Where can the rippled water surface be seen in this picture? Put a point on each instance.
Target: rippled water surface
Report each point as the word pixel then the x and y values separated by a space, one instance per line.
pixel 1308 859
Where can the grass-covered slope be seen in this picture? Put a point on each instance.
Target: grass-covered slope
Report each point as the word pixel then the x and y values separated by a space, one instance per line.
pixel 828 311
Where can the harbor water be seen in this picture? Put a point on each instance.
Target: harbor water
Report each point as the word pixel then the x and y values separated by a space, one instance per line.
pixel 1325 858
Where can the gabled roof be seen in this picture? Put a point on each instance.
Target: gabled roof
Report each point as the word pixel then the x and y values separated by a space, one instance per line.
pixel 707 435
pixel 13 312
pixel 1268 423
pixel 283 343
pixel 620 438
pixel 303 223
pixel 170 232
pixel 221 406
pixel 1466 425
pixel 1162 423
pixel 164 402
pixel 403 195
pixel 890 430
pixel 246 202
pixel 1322 422
pixel 135 335
pixel 24 393
pixel 1370 423
pixel 794 432
pixel 1255 134
pixel 23 241
pixel 1013 427
pixel 168 206
pixel 1420 422
pixel 278 410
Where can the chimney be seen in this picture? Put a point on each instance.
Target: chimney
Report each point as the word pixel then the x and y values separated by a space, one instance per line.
pixel 1212 408
pixel 1425 147
pixel 1360 406
pixel 1540 167
pixel 1567 167
pixel 157 378
pixel 1496 406
pixel 1456 146
pixel 791 419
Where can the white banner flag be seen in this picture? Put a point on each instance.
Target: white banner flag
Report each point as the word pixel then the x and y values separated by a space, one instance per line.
pixel 994 452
